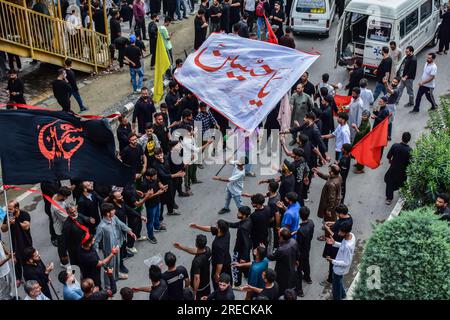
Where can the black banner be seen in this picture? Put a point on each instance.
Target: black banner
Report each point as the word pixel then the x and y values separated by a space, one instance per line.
pixel 41 145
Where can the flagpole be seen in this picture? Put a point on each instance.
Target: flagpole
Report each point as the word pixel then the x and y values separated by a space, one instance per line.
pixel 10 244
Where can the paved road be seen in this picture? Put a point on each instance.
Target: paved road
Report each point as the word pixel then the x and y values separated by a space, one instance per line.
pixel 365 195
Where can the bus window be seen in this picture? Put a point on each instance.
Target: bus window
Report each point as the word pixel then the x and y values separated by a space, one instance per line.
pixel 311 6
pixel 379 31
pixel 425 10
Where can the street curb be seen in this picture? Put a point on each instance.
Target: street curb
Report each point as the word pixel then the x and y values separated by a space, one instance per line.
pixel 394 213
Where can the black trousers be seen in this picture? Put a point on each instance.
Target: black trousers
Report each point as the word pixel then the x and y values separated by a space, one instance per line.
pixel 428 92
pixel 390 191
pixel 343 189
pixel 305 266
pixel 225 269
pixel 47 209
pixel 168 200
pixel 62 253
pixel 140 28
pixel 135 224
pixel 443 45
pixel 153 51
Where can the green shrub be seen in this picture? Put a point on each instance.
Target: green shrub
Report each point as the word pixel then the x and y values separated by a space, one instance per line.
pixel 412 252
pixel 429 170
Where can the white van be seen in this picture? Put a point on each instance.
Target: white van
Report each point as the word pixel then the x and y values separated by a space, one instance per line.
pixel 368 25
pixel 312 16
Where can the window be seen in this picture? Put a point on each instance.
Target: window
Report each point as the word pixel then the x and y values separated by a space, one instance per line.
pixel 311 6
pixel 425 10
pixel 379 31
pixel 437 4
pixel 409 23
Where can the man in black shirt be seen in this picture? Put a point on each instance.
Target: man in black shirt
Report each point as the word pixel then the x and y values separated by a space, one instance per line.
pixel 305 235
pixel 133 56
pixel 62 90
pixel 201 29
pixel 243 245
pixel 92 292
pixel 224 292
pixel 190 102
pixel 200 270
pixel 344 165
pixel 133 156
pixel 225 24
pixel 143 111
pixel 408 76
pixel 355 76
pixel 173 101
pixel 176 277
pixel 123 131
pixel 286 257
pixel 70 76
pixel 399 157
pixel 270 290
pixel 15 88
pixel 308 87
pixel 161 131
pixel 221 259
pixel 441 206
pixel 90 263
pixel 89 204
pixel 34 269
pixel 260 219
pixel 114 26
pixel 382 72
pixel 277 18
pixel 153 37
pixel 214 12
pixel 159 289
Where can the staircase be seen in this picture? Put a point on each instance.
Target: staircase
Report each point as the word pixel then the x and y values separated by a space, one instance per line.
pixel 27 33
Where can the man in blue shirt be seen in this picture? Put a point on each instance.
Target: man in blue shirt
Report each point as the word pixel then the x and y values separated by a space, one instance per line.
pixel 72 289
pixel 291 217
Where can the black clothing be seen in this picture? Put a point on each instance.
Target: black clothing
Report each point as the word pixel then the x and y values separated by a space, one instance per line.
pixel 243 244
pixel 280 14
pixel 355 77
pixel 153 37
pixel 271 293
pixel 308 87
pixel 162 133
pixel 160 292
pixel 126 213
pixel 99 21
pixel 213 10
pixel 384 67
pixel 133 53
pixel 287 185
pixel 410 67
pixel 62 91
pixel 175 282
pixel 305 235
pixel 114 28
pixel 200 265
pixel 72 237
pixel 235 13
pixel 174 111
pixel 37 272
pixel 122 135
pixel 261 220
pixel 143 113
pixel 190 103
pixel 133 157
pixel 399 156
pixel 329 249
pixel 344 165
pixel 200 33
pixel 287 41
pixel 97 296
pixel 21 239
pixel 243 30
pixel 220 254
pixel 225 24
pixel 18 88
pixel 90 208
pixel 381 114
pixel 88 261
pixel 50 189
pixel 147 185
pixel 70 76
pixel 285 256
pixel 227 295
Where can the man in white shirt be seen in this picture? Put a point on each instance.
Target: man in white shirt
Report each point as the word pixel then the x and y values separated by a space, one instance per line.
pixel 396 55
pixel 234 187
pixel 343 260
pixel 33 291
pixel 366 94
pixel 341 133
pixel 356 110
pixel 427 84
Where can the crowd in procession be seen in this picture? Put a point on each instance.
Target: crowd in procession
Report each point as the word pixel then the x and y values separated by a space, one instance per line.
pixel 87 218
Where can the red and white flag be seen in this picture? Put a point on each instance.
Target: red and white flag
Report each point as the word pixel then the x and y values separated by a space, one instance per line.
pixel 242 79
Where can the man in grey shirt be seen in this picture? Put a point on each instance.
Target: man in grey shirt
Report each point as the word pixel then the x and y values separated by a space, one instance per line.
pixel 301 103
pixel 59 216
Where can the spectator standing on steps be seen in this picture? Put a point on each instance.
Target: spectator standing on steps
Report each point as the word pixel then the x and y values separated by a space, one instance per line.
pixel 70 76
pixel 408 76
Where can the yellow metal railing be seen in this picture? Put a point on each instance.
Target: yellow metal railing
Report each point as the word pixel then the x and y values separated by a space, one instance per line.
pixel 40 32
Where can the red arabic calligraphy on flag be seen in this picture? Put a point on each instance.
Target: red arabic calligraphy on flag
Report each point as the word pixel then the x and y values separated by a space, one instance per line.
pixel 241 78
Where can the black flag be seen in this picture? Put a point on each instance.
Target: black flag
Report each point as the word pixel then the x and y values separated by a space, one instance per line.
pixel 44 145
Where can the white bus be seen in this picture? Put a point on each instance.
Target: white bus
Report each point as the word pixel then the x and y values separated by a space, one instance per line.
pixel 368 25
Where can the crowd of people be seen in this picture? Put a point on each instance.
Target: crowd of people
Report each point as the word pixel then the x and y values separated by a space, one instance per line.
pixel 87 218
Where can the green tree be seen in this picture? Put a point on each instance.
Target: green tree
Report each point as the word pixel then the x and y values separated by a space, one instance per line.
pixel 407 257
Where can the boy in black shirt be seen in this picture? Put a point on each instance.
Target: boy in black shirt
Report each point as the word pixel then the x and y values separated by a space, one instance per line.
pixel 344 165
pixel 221 259
pixel 200 270
pixel 270 289
pixel 159 289
pixel 224 292
pixel 177 278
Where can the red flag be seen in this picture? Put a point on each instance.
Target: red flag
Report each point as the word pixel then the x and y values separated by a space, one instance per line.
pixel 368 151
pixel 272 37
pixel 342 103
